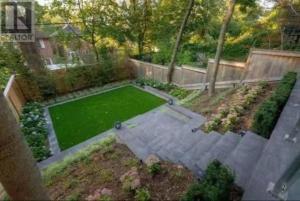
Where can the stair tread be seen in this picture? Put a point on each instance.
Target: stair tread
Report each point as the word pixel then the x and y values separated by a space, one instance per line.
pixel 220 151
pixel 243 159
pixel 199 149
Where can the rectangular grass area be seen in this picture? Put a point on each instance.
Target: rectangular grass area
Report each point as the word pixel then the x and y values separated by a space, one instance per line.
pixel 79 120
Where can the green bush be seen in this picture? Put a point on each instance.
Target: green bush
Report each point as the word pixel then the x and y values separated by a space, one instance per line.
pixel 266 116
pixel 180 93
pixel 142 195
pixel 33 126
pixel 172 89
pixel 4 77
pixel 154 169
pixel 215 186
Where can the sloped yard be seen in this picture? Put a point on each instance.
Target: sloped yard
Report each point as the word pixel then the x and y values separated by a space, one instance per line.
pixel 231 109
pixel 95 174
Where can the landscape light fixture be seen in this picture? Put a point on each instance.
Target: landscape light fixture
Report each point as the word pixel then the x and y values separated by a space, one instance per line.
pixel 171 101
pixel 118 125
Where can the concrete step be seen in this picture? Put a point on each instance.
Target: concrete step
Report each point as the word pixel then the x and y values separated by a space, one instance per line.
pixel 188 113
pixel 220 151
pixel 245 156
pixel 183 141
pixel 139 148
pixel 190 158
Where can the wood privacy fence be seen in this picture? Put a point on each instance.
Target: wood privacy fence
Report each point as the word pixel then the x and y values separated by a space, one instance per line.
pixel 14 96
pixel 268 65
pixel 261 65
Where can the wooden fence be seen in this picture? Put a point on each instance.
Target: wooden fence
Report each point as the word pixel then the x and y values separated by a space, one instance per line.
pixel 182 75
pixel 14 96
pixel 268 65
pixel 261 65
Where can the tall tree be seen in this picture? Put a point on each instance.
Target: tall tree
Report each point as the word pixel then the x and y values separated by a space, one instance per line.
pixel 178 40
pixel 19 173
pixel 221 41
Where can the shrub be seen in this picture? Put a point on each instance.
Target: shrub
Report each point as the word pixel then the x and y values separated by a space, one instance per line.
pixel 180 93
pixel 4 77
pixel 33 126
pixel 142 195
pixel 154 169
pixel 172 89
pixel 215 186
pixel 266 116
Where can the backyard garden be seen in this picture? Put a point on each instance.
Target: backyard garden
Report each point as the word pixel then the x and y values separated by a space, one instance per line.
pixel 105 128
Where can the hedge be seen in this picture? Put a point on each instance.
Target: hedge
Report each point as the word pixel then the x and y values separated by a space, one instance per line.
pixel 268 113
pixel 33 126
pixel 215 186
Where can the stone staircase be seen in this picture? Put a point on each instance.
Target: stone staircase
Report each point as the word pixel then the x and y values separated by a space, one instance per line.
pixel 258 164
pixel 167 133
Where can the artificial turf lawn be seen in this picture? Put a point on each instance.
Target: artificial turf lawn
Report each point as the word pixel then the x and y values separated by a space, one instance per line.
pixel 79 120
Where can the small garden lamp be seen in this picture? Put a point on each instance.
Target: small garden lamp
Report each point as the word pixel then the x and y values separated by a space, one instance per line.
pixel 118 125
pixel 171 101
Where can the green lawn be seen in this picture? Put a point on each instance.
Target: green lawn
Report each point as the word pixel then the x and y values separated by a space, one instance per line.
pixel 79 120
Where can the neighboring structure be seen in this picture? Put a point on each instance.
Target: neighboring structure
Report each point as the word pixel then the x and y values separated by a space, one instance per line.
pixel 44 47
pixel 73 48
pixel 63 47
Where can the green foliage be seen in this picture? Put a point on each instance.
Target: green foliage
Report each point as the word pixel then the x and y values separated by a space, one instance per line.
pixel 154 169
pixel 142 195
pixel 33 126
pixel 4 77
pixel 172 89
pixel 215 186
pixel 56 169
pixel 228 117
pixel 266 116
pixel 180 93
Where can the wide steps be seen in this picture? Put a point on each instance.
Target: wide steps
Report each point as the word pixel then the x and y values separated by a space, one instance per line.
pixel 245 156
pixel 190 158
pixel 139 148
pixel 179 145
pixel 220 151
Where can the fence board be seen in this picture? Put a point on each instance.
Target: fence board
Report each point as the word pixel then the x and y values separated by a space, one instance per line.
pixel 261 65
pixel 15 97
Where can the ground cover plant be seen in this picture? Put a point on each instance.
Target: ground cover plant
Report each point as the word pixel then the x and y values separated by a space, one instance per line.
pixel 231 109
pixel 79 120
pixel 217 184
pixel 96 173
pixel 266 116
pixel 33 125
pixel 4 77
pixel 171 89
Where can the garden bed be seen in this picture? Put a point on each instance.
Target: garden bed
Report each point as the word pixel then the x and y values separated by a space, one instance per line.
pixel 231 109
pixel 102 166
pixel 170 89
pixel 79 120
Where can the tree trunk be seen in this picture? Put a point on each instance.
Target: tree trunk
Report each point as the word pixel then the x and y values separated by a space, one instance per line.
pixel 178 40
pixel 19 173
pixel 221 42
